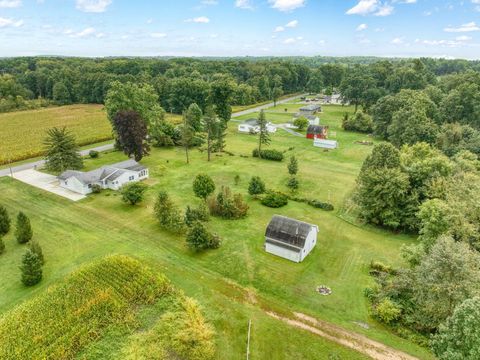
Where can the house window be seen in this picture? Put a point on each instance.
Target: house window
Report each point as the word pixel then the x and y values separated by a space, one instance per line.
pixel 89 186
pixel 66 182
pixel 131 178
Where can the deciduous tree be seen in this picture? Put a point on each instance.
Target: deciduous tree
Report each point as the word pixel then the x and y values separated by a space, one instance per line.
pixel 203 186
pixel 132 133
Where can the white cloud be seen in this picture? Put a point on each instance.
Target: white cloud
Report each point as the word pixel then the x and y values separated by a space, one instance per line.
pixel 289 41
pixel 384 11
pixel 93 6
pixel 149 21
pixel 279 29
pixel 287 5
pixel 243 4
pixel 364 7
pixel 292 24
pixel 469 27
pixel 158 35
pixel 10 3
pixel 209 2
pixel 199 20
pixel 85 32
pixel 362 27
pixel 463 38
pixel 6 22
pixel 397 41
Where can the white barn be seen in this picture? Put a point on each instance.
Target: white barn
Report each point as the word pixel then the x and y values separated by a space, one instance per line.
pixel 107 177
pixel 290 238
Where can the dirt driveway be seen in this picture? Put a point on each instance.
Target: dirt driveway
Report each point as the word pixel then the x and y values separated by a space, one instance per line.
pixel 46 182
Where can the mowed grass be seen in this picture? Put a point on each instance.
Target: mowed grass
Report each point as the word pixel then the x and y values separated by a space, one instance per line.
pixel 23 132
pixel 238 281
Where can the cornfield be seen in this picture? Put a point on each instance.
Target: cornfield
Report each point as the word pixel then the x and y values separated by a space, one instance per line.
pixel 60 322
pixel 22 133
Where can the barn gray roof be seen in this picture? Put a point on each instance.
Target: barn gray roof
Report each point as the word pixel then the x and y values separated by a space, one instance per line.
pixel 310 108
pixel 315 129
pixel 287 233
pixel 109 172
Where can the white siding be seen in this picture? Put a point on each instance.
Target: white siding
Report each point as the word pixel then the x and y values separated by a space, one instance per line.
pixel 310 243
pixel 75 185
pixel 282 252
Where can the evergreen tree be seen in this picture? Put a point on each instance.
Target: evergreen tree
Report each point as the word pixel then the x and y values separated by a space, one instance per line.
pixel 188 134
pixel 23 231
pixel 31 268
pixel 293 165
pixel 263 134
pixel 293 184
pixel 37 249
pixel 4 221
pixel 61 151
pixel 211 127
pixel 256 186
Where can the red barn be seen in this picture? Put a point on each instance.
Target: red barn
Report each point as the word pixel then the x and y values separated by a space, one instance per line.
pixel 317 132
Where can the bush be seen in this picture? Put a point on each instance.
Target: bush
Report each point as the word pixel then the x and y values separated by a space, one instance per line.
pixel 96 189
pixel 167 213
pixel 198 214
pixel 4 221
pixel 31 268
pixel 387 311
pixel 93 154
pixel 133 193
pixel 269 154
pixel 360 122
pixel 227 205
pixel 301 123
pixel 23 231
pixel 199 238
pixel 321 205
pixel 378 266
pixel 256 186
pixel 275 200
pixel 2 245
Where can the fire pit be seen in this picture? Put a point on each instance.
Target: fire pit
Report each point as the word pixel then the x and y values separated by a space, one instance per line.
pixel 324 290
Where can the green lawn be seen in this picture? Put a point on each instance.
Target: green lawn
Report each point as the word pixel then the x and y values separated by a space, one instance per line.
pixel 236 281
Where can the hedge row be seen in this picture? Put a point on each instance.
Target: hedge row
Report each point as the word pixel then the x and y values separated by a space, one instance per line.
pixel 269 154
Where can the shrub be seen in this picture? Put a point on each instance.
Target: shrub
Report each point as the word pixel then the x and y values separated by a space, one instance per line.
pixel 275 200
pixel 360 122
pixel 198 214
pixel 256 186
pixel 236 179
pixel 269 154
pixel 387 311
pixel 227 205
pixel 93 154
pixel 96 189
pixel 31 268
pixel 378 266
pixel 301 123
pixel 23 231
pixel 293 165
pixel 199 238
pixel 2 245
pixel 321 205
pixel 167 213
pixel 4 221
pixel 203 186
pixel 133 193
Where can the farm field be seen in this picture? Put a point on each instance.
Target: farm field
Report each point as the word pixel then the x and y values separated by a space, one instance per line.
pixel 239 281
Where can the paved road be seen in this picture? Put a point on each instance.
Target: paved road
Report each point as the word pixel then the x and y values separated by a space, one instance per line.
pixel 39 163
pixel 266 106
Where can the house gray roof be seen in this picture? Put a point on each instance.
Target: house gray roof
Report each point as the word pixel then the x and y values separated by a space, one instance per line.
pixel 287 233
pixel 108 172
pixel 310 108
pixel 252 122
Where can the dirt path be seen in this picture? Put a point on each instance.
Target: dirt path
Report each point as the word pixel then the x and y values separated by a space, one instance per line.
pixel 350 339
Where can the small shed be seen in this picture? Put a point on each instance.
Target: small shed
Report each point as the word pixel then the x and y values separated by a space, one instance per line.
pixel 317 132
pixel 325 144
pixel 289 238
pixel 310 109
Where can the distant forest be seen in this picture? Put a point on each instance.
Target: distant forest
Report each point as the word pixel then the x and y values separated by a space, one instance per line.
pixel 32 82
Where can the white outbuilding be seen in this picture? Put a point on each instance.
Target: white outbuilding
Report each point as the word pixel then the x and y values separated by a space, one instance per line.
pixel 107 177
pixel 289 238
pixel 251 126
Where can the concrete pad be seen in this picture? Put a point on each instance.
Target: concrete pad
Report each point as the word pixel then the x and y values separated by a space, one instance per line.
pixel 46 182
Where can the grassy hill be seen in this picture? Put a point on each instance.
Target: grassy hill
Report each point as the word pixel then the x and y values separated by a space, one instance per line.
pixel 239 281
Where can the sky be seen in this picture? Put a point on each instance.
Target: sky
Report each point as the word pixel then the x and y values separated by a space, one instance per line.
pixel 97 28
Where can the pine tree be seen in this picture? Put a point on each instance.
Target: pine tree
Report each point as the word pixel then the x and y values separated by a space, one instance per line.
pixel 256 186
pixel 293 166
pixel 61 151
pixel 263 134
pixel 4 221
pixel 23 231
pixel 293 184
pixel 211 126
pixel 37 249
pixel 31 268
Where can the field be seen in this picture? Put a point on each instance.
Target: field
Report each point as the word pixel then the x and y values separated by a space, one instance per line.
pixel 23 132
pixel 239 281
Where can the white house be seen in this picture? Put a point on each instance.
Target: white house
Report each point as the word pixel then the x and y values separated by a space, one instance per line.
pixel 325 144
pixel 290 238
pixel 107 177
pixel 251 126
